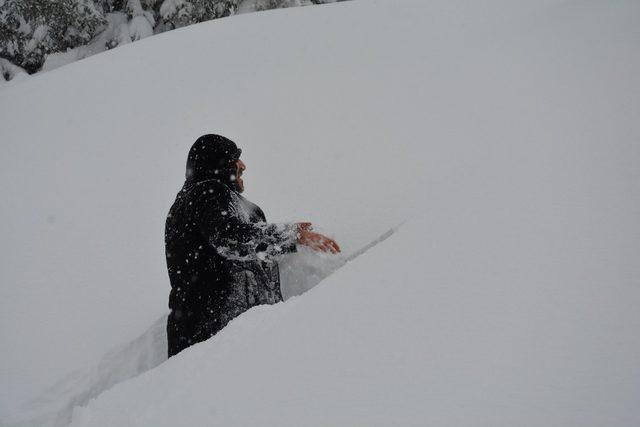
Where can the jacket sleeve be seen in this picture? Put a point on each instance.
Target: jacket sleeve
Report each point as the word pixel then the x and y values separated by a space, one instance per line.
pixel 238 240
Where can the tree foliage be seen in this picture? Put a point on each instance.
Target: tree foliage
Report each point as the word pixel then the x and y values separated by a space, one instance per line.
pixel 30 30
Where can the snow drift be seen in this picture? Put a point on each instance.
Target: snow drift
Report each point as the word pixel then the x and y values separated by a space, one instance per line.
pixel 504 134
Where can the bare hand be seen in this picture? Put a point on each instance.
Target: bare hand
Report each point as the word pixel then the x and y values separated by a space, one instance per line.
pixel 315 241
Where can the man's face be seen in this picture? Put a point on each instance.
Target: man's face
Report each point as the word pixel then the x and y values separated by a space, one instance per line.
pixel 240 167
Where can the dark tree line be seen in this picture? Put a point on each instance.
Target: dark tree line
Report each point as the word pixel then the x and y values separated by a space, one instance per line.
pixel 32 29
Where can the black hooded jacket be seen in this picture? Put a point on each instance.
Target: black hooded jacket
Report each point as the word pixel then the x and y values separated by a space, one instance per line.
pixel 221 253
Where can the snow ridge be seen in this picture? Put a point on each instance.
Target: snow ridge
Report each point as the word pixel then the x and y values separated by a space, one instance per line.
pixel 55 406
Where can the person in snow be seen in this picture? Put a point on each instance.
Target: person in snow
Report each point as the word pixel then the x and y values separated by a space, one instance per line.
pixel 221 253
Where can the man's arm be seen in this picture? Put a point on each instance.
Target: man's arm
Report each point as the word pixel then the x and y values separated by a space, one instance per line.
pixel 263 241
pixel 234 239
pixel 237 240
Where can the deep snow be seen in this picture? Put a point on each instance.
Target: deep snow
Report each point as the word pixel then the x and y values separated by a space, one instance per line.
pixel 505 134
pixel 378 345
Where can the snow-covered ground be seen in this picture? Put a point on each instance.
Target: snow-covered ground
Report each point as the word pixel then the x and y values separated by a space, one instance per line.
pixel 502 136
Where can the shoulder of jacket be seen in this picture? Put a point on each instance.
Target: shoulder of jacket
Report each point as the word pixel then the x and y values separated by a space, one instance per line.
pixel 211 186
pixel 207 191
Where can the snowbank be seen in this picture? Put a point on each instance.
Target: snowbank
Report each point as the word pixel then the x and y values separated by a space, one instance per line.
pixel 54 406
pixel 506 133
pixel 468 338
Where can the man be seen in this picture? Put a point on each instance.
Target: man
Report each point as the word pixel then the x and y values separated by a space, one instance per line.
pixel 221 253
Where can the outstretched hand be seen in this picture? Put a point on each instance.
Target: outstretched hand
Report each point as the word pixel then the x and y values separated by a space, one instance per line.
pixel 315 241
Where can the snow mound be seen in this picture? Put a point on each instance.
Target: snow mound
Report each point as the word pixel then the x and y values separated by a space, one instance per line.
pixel 391 340
pixel 55 405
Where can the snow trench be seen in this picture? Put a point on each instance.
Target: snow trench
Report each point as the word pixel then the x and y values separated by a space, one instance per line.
pixel 299 272
pixel 54 406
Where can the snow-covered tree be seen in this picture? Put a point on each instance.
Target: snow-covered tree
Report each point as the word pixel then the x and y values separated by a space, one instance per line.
pixel 31 29
pixel 178 13
pixel 9 71
pixel 141 21
pixel 68 30
pixel 259 5
pixel 275 4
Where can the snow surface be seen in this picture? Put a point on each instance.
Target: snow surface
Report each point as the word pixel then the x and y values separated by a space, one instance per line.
pixel 505 134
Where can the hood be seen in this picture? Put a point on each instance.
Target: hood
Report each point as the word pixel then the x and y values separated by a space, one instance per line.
pixel 213 157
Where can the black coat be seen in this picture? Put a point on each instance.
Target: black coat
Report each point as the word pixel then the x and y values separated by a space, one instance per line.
pixel 221 257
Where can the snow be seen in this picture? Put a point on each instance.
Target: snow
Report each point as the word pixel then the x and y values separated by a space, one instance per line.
pixel 170 7
pixel 59 59
pixel 503 135
pixel 139 28
pixel 10 73
pixel 409 354
pixel 118 30
pixel 55 405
